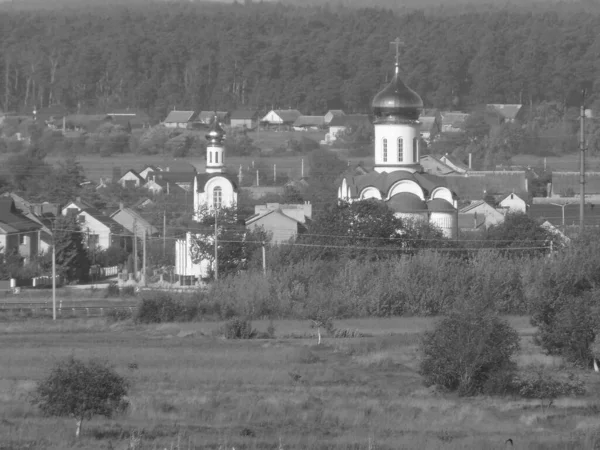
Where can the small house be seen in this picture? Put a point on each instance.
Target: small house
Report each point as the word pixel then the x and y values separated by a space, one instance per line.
pixel 207 117
pixel 133 222
pixel 244 119
pixel 282 221
pixel 281 117
pixel 99 230
pixel 18 233
pixel 434 166
pixel 304 123
pixel 483 209
pixel 513 203
pixel 498 114
pixel 179 119
pixel 131 179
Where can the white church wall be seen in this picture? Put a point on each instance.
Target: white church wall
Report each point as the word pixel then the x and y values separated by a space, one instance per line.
pixel 370 192
pixel 406 186
pixel 444 194
pixel 446 222
pixel 390 133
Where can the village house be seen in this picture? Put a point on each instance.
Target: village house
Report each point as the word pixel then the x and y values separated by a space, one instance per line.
pixel 470 222
pixel 244 119
pixel 345 124
pixel 328 117
pixel 179 119
pixel 454 163
pixel 483 209
pixel 161 186
pixel 18 233
pixel 452 121
pixel 133 222
pixel 207 117
pixel 434 166
pixel 567 185
pixel 563 213
pixel 431 124
pixel 497 114
pixel 147 170
pixel 99 230
pixel 477 185
pixel 130 118
pixel 282 221
pixel 304 123
pixel 131 179
pixel 512 203
pixel 281 117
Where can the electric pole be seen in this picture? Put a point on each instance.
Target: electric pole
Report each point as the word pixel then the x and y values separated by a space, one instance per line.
pixel 582 149
pixel 164 231
pixel 53 270
pixel 144 258
pixel 216 248
pixel 135 253
pixel 264 258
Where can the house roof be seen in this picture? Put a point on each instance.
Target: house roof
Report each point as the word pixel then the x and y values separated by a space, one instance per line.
pixel 454 119
pixel 336 112
pixel 177 166
pixel 205 116
pixel 432 164
pixel 428 123
pixel 453 161
pixel 203 178
pixel 12 220
pixel 350 120
pixel 475 185
pixel 173 177
pixel 384 181
pixel 288 115
pixel 241 114
pixel 406 202
pixel 310 121
pixel 179 116
pixel 143 223
pixel 473 205
pixel 470 221
pixel 133 172
pixel 263 214
pixel 563 182
pixel 142 202
pixel 173 187
pixel 507 111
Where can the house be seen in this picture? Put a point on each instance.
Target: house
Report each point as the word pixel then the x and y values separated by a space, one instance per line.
pixel 498 114
pixel 207 117
pixel 258 192
pixel 282 221
pixel 147 170
pixel 304 123
pixel 100 231
pixel 130 118
pixel 567 184
pixel 346 124
pixel 281 117
pixel 481 208
pixel 142 203
pixel 431 124
pixel 477 185
pixel 18 233
pixel 133 222
pixel 85 122
pixel 184 180
pixel 331 114
pixel 469 222
pixel 179 119
pixel 244 119
pixel 131 179
pixel 434 166
pixel 513 203
pixel 161 186
pixel 452 121
pixel 454 163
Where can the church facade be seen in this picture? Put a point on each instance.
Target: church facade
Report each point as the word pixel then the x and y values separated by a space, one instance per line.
pixel 398 177
pixel 214 189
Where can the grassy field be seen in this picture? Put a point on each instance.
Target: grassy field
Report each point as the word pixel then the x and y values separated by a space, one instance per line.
pixel 192 390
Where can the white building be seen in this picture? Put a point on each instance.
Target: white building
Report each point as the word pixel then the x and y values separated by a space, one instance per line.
pixel 213 190
pixel 398 177
pixel 513 203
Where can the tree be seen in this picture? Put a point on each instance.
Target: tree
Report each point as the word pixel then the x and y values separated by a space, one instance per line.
pixel 72 261
pixel 81 390
pixel 520 231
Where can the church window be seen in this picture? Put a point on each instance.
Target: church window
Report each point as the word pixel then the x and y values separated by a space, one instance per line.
pixel 217 197
pixel 400 150
pixel 217 157
pixel 210 157
pixel 415 149
pixel 385 150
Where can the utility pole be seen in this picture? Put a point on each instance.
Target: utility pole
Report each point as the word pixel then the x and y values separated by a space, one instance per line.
pixel 264 257
pixel 274 173
pixel 563 212
pixel 302 169
pixel 582 149
pixel 53 271
pixel 164 231
pixel 135 253
pixel 216 247
pixel 144 258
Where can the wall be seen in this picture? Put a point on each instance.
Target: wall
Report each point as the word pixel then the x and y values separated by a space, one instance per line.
pixel 96 227
pixel 280 226
pixel 392 132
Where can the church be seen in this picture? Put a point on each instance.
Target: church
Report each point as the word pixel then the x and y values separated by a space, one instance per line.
pixel 214 189
pixel 397 177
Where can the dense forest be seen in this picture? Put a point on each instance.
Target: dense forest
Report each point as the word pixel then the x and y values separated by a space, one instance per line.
pixel 201 56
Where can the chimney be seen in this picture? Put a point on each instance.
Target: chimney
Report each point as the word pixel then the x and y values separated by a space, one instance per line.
pixel 121 206
pixel 549 190
pixel 470 161
pixel 78 199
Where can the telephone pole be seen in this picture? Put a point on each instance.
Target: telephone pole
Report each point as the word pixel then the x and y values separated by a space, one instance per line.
pixel 216 247
pixel 164 231
pixel 582 169
pixel 53 270
pixel 144 258
pixel 135 253
pixel 264 259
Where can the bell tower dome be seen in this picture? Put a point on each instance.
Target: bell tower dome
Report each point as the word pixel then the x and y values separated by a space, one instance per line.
pixel 397 128
pixel 215 151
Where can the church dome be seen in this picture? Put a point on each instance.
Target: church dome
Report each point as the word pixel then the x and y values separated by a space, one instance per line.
pixel 398 100
pixel 406 202
pixel 439 205
pixel 216 133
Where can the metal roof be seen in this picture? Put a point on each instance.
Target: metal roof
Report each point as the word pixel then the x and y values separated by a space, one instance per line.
pixel 179 116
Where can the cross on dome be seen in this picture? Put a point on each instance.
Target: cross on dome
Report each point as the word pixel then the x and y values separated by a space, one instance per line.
pixel 397 43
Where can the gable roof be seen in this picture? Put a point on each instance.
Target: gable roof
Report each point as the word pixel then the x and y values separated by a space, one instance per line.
pixel 143 202
pixel 433 165
pixel 179 116
pixel 453 118
pixel 208 116
pixel 310 121
pixel 428 123
pixel 453 162
pixel 12 220
pixel 562 182
pixel 336 112
pixel 475 185
pixel 506 111
pixel 242 114
pixel 143 223
pixel 133 172
pixel 350 120
pixel 470 221
pixel 173 187
pixel 288 115
pixel 263 214
pixel 173 177
pixel 475 204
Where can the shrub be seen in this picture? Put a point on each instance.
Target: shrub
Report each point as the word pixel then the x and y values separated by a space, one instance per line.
pixel 465 348
pixel 119 314
pixel 127 291
pixel 112 290
pixel 161 307
pixel 539 384
pixel 81 390
pixel 238 328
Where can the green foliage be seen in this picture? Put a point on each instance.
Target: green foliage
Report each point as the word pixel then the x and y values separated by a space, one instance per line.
pixel 72 261
pixel 81 389
pixel 238 328
pixel 118 314
pixel 519 231
pixel 465 349
pixel 161 307
pixel 540 383
pixel 111 256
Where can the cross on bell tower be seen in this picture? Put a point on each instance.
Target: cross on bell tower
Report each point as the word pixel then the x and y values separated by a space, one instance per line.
pixel 397 43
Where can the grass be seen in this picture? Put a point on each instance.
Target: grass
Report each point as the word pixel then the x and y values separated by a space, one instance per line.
pixel 194 389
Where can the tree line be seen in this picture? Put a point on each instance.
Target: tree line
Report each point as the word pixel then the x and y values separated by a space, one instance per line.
pixel 201 56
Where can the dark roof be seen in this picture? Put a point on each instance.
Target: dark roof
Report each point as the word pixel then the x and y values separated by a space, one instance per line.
pixel 139 177
pixel 241 114
pixel 105 220
pixel 179 116
pixel 506 111
pixel 140 203
pixel 178 166
pixel 397 99
pixel 475 185
pixel 310 121
pixel 173 177
pixel 563 182
pixel 553 214
pixel 470 221
pixel 204 177
pixel 453 118
pixel 440 205
pixel 350 120
pixel 208 116
pixel 12 220
pixel 406 202
pixel 384 181
pixel 173 187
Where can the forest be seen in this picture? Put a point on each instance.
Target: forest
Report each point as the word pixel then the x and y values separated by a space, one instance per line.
pixel 261 55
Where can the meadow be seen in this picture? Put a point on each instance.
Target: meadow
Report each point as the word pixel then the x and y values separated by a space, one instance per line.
pixel 193 390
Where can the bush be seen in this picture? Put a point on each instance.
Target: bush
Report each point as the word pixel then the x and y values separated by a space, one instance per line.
pixel 238 328
pixel 112 290
pixel 465 349
pixel 161 307
pixel 81 390
pixel 119 314
pixel 539 384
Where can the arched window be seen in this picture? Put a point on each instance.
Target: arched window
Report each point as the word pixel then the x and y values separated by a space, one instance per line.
pixel 416 150
pixel 210 157
pixel 217 197
pixel 385 150
pixel 216 157
pixel 400 150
